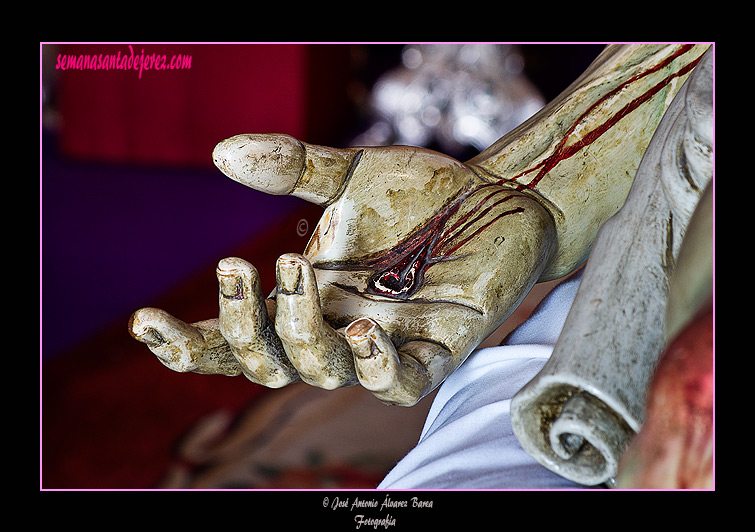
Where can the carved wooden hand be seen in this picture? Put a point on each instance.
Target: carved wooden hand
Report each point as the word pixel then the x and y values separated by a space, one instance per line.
pixel 418 257
pixel 416 260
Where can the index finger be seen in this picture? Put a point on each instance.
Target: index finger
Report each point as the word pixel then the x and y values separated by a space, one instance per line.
pixel 282 165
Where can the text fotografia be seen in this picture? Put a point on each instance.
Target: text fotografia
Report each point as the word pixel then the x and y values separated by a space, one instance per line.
pixel 357 506
pixel 138 62
pixel 374 522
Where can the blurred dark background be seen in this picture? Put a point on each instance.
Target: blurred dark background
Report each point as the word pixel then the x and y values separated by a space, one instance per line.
pixel 134 214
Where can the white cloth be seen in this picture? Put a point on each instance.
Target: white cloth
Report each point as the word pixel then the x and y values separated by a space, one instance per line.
pixel 467 441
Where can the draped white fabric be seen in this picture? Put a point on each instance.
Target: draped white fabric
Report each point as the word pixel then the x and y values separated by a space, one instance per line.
pixel 467 441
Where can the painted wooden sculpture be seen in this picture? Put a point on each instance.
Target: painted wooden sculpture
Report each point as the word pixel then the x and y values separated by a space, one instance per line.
pixel 579 414
pixel 419 257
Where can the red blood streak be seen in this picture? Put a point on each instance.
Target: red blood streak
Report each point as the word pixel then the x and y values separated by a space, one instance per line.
pixel 481 229
pixel 448 237
pixel 401 271
pixel 562 152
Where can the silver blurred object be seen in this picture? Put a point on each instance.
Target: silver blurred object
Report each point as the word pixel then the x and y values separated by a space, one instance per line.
pixel 452 96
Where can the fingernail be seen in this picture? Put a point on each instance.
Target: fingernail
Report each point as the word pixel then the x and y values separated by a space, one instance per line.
pixel 361 335
pixel 141 330
pixel 231 287
pixel 153 338
pixel 289 277
pixel 360 328
pixel 229 273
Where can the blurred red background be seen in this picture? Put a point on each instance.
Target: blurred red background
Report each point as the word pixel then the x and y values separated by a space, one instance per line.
pixel 177 116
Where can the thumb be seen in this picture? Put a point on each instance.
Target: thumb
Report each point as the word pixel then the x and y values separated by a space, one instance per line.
pixel 282 165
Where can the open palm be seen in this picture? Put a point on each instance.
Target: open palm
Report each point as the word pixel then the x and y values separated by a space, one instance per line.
pixel 415 260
